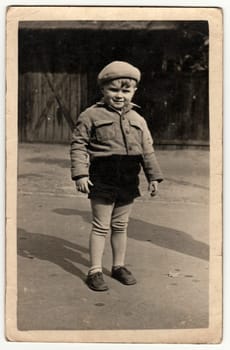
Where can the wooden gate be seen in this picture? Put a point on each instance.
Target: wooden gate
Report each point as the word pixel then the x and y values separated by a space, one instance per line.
pixel 49 104
pixel 59 63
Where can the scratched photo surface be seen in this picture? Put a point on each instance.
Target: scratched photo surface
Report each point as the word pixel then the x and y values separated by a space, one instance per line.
pixel 174 242
pixel 168 236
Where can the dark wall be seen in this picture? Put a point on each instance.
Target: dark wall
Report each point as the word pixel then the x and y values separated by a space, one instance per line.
pixel 173 96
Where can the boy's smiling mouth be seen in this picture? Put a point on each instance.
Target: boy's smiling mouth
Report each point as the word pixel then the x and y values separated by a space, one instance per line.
pixel 118 101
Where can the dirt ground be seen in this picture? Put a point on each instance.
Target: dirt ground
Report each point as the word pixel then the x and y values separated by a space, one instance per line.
pixel 168 248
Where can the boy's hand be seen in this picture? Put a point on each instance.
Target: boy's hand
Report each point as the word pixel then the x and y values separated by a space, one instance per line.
pixel 153 188
pixel 83 184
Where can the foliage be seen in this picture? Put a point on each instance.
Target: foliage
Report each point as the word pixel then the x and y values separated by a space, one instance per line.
pixel 192 49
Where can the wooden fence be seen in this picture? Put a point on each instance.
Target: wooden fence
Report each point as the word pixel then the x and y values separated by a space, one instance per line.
pixel 49 105
pixel 175 106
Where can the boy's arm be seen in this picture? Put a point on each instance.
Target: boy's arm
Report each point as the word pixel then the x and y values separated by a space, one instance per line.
pixel 79 148
pixel 150 164
pixel 151 167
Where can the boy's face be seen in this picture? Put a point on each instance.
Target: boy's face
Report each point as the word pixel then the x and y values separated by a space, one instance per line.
pixel 118 95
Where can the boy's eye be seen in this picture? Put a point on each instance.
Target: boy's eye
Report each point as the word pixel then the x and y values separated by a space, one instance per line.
pixel 113 90
pixel 125 91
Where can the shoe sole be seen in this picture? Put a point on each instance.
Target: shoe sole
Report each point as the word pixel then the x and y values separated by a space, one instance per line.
pixel 98 290
pixel 125 283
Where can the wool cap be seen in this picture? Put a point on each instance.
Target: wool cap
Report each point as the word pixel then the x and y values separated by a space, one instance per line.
pixel 118 69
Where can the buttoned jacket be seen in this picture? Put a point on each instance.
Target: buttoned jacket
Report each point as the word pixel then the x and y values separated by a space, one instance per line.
pixel 103 131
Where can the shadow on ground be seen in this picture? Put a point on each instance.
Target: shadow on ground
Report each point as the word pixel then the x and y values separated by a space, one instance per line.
pixel 65 253
pixel 56 250
pixel 164 237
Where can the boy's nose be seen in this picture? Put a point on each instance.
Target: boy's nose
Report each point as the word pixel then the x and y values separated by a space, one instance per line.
pixel 119 94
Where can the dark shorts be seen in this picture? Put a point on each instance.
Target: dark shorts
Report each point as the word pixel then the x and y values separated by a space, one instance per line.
pixel 115 178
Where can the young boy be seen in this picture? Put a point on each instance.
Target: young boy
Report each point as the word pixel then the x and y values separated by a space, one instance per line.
pixel 110 143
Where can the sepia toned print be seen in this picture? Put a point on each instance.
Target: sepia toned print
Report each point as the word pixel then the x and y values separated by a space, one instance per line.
pixel 174 237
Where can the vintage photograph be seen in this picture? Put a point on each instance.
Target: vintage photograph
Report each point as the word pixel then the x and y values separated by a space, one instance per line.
pixel 114 176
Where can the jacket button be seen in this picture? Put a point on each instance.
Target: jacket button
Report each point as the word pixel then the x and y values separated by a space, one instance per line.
pixel 130 148
pixel 127 131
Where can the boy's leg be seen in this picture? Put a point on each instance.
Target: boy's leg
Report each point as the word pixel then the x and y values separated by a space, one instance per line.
pixel 120 218
pixel 101 211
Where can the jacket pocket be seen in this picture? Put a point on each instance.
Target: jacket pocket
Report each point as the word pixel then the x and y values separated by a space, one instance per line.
pixel 136 131
pixel 104 130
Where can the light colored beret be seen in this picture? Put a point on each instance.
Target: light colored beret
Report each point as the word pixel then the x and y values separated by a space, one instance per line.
pixel 116 70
